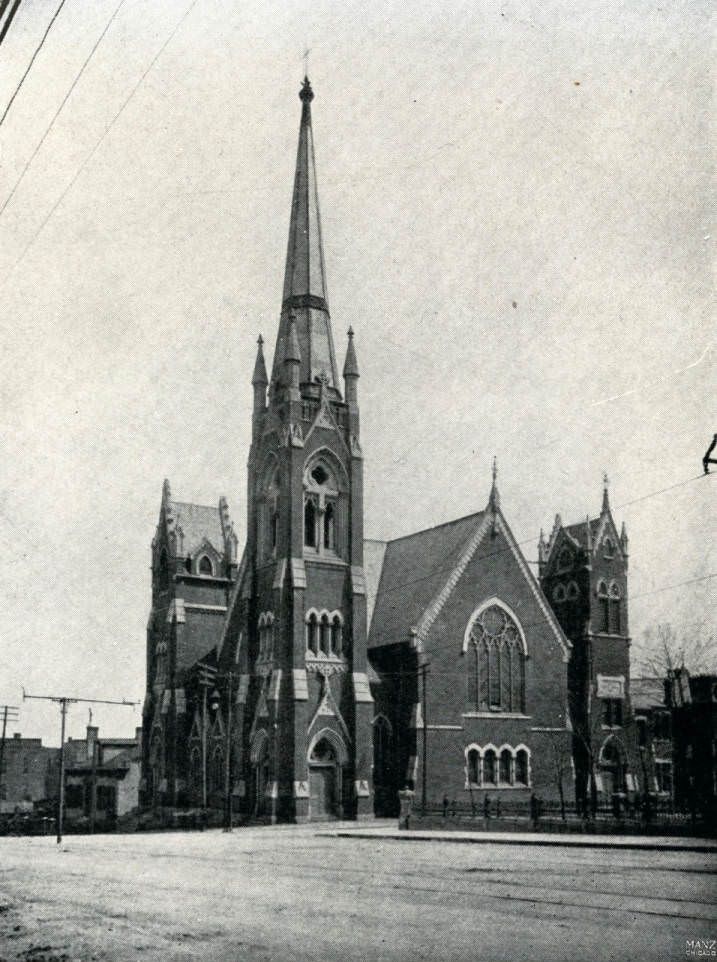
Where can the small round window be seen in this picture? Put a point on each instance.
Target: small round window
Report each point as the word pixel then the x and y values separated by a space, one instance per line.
pixel 319 475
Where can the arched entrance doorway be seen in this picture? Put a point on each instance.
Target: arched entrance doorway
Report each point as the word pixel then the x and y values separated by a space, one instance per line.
pixel 385 788
pixel 260 773
pixel 613 767
pixel 326 757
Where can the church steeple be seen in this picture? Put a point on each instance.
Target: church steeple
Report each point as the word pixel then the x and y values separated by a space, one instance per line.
pixel 305 294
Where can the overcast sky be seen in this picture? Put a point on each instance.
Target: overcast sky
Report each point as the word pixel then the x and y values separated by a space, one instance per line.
pixel 514 205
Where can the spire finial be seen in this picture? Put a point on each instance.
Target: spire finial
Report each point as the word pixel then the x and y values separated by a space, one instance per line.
pixel 494 500
pixel 605 495
pixel 259 378
pixel 351 364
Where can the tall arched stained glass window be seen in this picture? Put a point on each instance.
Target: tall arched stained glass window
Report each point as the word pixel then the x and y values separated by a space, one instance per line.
pixel 496 662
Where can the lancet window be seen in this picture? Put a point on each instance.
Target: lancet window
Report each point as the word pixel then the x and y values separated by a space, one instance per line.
pixel 496 665
pixel 321 509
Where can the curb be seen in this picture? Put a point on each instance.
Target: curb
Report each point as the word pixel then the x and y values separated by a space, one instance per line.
pixel 701 848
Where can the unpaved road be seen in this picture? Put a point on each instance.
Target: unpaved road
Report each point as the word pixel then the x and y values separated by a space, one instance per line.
pixel 286 893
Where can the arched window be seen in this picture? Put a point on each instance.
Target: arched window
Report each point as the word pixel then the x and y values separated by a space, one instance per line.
pixel 272 511
pixel 609 548
pixel 382 752
pixel 496 672
pixel 336 635
pixel 205 566
pixel 474 767
pixel 325 634
pixel 559 594
pixel 614 614
pixel 163 569
pixel 521 767
pixel 266 635
pixel 572 591
pixel 489 767
pixel 505 763
pixel 603 607
pixel 321 531
pixel 309 522
pixel 329 526
pixel 217 769
pixel 195 772
pixel 565 559
pixel 312 632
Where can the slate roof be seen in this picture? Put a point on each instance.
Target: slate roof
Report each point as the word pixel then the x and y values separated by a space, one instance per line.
pixel 415 569
pixel 647 693
pixel 198 521
pixel 373 554
pixel 578 531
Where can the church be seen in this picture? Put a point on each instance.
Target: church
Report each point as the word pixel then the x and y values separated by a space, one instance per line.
pixel 315 673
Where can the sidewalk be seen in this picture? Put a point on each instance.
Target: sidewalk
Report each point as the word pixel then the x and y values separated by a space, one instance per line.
pixel 635 842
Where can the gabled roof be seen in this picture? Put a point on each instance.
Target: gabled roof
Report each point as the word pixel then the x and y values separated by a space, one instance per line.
pixel 579 531
pixel 415 569
pixel 198 523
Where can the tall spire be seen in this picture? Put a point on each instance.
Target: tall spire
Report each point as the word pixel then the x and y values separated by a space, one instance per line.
pixel 494 500
pixel 305 294
pixel 605 495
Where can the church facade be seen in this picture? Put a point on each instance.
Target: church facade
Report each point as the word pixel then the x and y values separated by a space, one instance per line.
pixel 320 673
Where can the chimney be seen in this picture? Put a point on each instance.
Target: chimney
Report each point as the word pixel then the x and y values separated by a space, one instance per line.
pixel 17 735
pixel 92 733
pixel 138 736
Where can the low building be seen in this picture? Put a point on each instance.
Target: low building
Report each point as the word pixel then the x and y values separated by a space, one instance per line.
pixel 653 725
pixel 102 777
pixel 693 704
pixel 28 773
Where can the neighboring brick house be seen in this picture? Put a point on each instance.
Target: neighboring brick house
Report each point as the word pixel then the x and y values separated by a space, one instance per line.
pixel 653 725
pixel 29 773
pixel 102 776
pixel 693 704
pixel 583 572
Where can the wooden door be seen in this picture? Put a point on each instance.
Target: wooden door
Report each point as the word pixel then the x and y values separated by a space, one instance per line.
pixel 321 787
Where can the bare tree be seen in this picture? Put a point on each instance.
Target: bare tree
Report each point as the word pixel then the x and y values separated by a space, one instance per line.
pixel 663 651
pixel 560 761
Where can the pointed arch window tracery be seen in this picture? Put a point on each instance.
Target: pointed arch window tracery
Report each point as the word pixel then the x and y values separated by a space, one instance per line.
pixel 321 508
pixel 496 672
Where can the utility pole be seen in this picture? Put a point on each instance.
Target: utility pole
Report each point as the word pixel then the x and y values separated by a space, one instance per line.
pixel 207 675
pixel 10 713
pixel 227 757
pixel 64 702
pixel 423 669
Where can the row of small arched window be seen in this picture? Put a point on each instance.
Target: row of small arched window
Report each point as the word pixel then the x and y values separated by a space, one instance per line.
pixel 324 633
pixel 490 767
pixel 266 635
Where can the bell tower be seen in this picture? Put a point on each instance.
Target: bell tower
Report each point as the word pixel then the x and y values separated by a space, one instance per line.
pixel 305 704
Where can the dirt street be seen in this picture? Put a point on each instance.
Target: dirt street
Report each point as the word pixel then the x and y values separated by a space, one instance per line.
pixel 288 893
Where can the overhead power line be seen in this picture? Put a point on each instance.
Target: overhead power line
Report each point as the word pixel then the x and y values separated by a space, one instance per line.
pixel 94 150
pixel 10 17
pixel 32 61
pixel 67 96
pixel 491 554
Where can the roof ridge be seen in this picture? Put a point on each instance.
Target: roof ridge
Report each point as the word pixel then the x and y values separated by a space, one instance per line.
pixel 196 504
pixel 433 527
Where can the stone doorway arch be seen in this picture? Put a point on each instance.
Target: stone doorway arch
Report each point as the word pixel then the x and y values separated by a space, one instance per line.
pixel 326 758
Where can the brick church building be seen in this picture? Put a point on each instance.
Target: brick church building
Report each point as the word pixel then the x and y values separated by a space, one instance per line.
pixel 319 673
